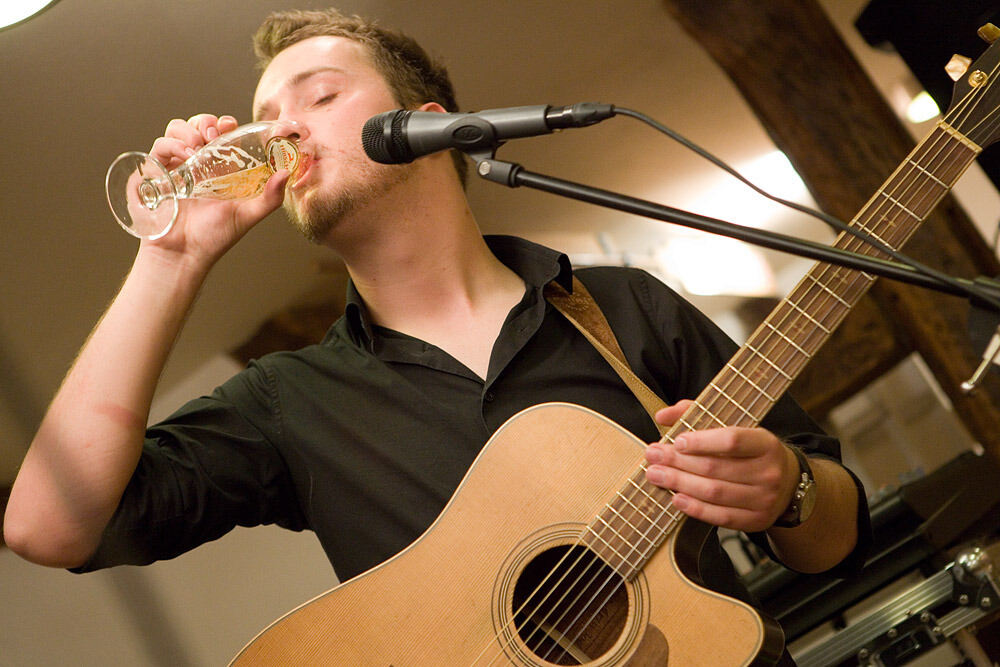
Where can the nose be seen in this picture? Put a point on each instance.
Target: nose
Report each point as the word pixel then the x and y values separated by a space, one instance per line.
pixel 293 129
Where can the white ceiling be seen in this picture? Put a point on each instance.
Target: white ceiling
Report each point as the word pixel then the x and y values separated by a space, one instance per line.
pixel 89 79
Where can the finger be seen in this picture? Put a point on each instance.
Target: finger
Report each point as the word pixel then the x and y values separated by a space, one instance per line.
pixel 730 441
pixel 727 517
pixel 717 491
pixel 171 152
pixel 186 132
pixel 760 471
pixel 204 123
pixel 227 124
pixel 669 415
pixel 211 126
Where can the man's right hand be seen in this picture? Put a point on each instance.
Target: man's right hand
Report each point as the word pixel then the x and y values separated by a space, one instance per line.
pixel 205 229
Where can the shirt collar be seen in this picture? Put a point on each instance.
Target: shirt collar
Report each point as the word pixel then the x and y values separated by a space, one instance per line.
pixel 534 263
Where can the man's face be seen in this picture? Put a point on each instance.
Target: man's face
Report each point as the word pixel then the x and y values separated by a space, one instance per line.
pixel 330 87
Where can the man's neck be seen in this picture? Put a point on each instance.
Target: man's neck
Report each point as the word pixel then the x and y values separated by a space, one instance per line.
pixel 426 271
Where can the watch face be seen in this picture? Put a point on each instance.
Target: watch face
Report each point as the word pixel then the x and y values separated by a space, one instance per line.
pixel 808 501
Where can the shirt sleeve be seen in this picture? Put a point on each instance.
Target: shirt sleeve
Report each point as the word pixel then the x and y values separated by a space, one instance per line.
pixel 209 467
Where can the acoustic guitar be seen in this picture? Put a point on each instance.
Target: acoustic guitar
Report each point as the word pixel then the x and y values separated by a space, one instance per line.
pixel 543 557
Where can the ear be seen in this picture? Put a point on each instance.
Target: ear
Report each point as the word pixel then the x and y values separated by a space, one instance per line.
pixel 432 106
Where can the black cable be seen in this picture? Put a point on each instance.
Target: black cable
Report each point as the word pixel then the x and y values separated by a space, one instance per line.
pixel 837 225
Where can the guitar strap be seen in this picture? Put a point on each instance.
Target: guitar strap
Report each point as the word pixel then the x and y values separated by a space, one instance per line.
pixel 583 312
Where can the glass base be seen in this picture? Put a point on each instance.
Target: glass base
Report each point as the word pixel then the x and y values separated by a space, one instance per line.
pixel 142 195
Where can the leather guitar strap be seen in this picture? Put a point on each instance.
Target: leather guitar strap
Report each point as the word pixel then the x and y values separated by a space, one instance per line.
pixel 583 312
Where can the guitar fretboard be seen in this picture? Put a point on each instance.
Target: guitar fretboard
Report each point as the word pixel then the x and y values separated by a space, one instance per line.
pixel 638 518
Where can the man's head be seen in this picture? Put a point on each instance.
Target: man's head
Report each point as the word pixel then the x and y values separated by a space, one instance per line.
pixel 411 74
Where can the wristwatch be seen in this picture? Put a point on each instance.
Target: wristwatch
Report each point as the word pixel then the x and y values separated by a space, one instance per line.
pixel 803 499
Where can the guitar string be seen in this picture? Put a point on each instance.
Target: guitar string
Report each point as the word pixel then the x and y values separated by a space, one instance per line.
pixel 737 403
pixel 990 81
pixel 765 339
pixel 878 211
pixel 903 179
pixel 539 588
pixel 708 411
pixel 582 554
pixel 897 211
pixel 540 603
pixel 616 583
pixel 969 101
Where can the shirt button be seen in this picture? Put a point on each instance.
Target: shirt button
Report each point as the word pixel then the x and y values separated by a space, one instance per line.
pixel 489 397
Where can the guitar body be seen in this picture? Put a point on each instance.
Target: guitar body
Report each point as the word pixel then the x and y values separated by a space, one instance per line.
pixel 473 589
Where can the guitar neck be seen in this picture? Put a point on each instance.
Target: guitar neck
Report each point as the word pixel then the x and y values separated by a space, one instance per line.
pixel 640 516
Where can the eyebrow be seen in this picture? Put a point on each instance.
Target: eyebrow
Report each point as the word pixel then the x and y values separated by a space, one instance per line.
pixel 297 80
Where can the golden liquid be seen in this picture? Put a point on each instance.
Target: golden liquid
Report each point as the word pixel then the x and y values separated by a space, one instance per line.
pixel 242 184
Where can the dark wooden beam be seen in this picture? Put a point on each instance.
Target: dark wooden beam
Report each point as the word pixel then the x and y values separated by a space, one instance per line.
pixel 822 110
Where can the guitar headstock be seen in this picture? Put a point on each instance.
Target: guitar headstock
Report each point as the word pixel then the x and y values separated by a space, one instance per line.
pixel 975 102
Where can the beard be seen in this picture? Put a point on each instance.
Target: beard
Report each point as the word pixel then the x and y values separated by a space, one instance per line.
pixel 325 210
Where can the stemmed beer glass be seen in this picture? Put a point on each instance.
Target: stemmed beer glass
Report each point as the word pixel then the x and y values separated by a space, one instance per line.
pixel 143 194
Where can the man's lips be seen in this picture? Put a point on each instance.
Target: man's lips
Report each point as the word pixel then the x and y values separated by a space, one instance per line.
pixel 304 168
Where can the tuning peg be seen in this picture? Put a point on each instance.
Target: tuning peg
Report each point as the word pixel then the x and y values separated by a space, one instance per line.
pixel 957 66
pixel 989 33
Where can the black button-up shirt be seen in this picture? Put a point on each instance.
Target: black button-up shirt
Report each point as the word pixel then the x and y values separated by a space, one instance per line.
pixel 364 437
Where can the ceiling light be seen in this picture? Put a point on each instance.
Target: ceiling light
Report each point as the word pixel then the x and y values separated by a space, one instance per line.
pixel 713 265
pixel 15 11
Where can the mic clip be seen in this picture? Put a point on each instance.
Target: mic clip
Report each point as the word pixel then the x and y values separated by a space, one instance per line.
pixel 990 356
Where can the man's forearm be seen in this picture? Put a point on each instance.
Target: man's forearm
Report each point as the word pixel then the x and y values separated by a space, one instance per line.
pixel 89 441
pixel 831 532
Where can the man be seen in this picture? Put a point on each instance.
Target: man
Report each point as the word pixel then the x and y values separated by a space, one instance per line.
pixel 364 437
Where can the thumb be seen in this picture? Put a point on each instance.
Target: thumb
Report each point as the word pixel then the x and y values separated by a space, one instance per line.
pixel 669 415
pixel 269 199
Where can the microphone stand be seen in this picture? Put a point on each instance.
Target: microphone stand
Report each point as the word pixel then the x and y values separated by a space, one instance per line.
pixel 514 175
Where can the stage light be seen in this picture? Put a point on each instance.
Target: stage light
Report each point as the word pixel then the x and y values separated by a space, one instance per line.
pixel 17 11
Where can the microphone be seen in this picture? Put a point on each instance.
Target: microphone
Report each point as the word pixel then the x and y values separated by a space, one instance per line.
pixel 402 135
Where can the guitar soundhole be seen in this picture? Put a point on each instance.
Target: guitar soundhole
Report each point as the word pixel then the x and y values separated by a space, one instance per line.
pixel 569 606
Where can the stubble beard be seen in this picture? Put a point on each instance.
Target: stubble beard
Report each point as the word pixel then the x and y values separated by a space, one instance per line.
pixel 325 210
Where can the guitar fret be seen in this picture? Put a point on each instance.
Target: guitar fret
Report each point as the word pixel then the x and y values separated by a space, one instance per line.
pixel 836 296
pixel 928 174
pixel 624 559
pixel 872 234
pixel 714 418
pixel 686 425
pixel 635 507
pixel 900 205
pixel 808 316
pixel 619 535
pixel 734 402
pixel 751 383
pixel 769 362
pixel 646 493
pixel 625 520
pixel 790 341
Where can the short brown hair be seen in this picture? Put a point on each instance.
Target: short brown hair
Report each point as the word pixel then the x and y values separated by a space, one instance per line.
pixel 411 74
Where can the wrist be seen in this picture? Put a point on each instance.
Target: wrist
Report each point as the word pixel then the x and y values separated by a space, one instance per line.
pixel 169 269
pixel 803 498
